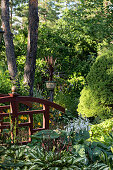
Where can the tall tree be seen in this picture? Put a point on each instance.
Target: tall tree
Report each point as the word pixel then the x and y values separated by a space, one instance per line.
pixel 0 13
pixel 29 70
pixel 8 38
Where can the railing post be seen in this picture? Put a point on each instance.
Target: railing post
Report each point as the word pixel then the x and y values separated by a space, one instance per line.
pixel 14 111
pixel 31 126
pixel 1 121
pixel 46 117
pixel 1 125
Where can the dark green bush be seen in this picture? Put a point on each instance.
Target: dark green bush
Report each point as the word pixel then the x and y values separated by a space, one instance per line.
pixel 97 97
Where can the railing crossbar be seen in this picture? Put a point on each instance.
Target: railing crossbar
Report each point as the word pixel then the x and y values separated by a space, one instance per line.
pixel 14 101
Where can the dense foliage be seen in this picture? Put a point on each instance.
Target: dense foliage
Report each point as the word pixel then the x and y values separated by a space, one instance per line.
pixel 102 132
pixel 79 37
pixel 80 154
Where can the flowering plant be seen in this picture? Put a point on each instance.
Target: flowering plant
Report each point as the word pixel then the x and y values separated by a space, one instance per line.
pixel 77 125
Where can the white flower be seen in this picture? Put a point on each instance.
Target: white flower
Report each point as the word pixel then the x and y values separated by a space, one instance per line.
pixel 77 125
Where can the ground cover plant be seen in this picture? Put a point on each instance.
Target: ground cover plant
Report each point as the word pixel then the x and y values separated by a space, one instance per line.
pixel 59 149
pixel 83 155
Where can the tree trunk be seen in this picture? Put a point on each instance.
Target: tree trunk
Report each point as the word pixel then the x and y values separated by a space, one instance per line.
pixel 29 70
pixel 11 13
pixel 8 38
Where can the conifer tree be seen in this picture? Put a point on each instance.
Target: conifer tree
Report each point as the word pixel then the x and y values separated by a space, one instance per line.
pixel 29 71
pixel 8 38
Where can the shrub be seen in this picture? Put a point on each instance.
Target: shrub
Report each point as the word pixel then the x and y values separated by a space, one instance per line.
pixel 97 97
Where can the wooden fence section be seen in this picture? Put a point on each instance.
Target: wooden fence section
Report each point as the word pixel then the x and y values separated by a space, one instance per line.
pixel 14 100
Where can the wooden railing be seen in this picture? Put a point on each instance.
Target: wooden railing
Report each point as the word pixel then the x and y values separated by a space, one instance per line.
pixel 13 101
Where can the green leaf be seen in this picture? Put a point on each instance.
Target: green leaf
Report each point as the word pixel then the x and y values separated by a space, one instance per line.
pixel 34 167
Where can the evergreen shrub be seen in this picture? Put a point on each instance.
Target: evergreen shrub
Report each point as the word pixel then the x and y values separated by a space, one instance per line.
pixel 97 96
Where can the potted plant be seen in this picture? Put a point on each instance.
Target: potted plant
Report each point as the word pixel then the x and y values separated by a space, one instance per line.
pixel 50 68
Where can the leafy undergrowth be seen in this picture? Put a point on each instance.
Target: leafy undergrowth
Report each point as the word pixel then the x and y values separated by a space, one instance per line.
pixel 101 132
pixel 58 150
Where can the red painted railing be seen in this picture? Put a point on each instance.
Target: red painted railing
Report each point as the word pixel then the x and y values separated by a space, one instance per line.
pixel 14 100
